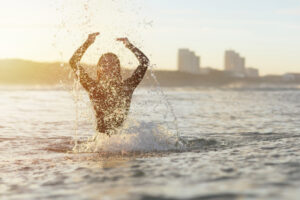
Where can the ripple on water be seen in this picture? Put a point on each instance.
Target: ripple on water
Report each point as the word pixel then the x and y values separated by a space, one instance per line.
pixel 253 155
pixel 221 196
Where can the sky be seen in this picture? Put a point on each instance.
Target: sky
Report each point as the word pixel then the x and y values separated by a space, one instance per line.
pixel 266 32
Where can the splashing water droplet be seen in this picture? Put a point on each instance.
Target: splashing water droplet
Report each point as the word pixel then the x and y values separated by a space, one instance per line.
pixel 134 134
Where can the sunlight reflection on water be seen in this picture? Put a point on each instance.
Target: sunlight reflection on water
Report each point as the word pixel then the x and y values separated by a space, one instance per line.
pixel 241 144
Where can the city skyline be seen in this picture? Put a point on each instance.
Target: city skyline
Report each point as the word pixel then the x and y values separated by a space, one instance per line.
pixel 234 64
pixel 267 32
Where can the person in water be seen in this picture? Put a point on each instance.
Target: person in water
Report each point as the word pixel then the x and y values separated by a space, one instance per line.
pixel 110 94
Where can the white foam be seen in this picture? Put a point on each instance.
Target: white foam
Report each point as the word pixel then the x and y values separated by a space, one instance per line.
pixel 143 137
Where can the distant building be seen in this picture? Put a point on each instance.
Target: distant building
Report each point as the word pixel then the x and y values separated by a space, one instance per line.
pixel 234 63
pixel 188 61
pixel 252 72
pixel 291 77
pixel 206 70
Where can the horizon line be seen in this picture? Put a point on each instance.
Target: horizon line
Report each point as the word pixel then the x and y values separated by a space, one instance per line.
pixel 161 69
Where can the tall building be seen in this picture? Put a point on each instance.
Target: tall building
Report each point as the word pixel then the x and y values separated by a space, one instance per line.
pixel 188 61
pixel 234 62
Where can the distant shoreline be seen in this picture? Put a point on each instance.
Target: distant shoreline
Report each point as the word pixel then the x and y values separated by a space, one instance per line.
pixel 16 72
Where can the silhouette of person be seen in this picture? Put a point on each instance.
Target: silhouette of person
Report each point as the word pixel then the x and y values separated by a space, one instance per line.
pixel 110 94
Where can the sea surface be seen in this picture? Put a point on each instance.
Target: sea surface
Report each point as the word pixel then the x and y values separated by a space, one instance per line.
pixel 225 144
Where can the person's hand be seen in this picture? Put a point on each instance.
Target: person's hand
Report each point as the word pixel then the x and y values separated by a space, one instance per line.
pixel 124 40
pixel 92 37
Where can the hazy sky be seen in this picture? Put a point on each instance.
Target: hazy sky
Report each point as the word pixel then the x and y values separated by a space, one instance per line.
pixel 266 32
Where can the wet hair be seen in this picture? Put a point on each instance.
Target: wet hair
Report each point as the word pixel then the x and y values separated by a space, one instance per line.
pixel 111 61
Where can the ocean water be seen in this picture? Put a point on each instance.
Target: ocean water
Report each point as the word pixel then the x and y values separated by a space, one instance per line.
pixel 233 144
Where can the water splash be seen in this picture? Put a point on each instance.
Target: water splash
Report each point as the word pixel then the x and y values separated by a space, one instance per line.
pixel 168 104
pixel 139 137
pixel 76 97
pixel 143 137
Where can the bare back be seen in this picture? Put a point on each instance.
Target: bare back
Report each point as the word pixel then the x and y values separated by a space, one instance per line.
pixel 111 105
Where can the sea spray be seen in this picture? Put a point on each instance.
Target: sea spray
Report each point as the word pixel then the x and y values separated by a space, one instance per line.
pixel 167 102
pixel 76 86
pixel 143 137
pixel 137 133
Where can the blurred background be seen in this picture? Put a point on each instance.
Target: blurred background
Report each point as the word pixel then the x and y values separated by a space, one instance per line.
pixel 226 40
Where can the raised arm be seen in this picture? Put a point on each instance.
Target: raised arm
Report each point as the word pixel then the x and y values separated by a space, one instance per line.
pixel 139 73
pixel 84 78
